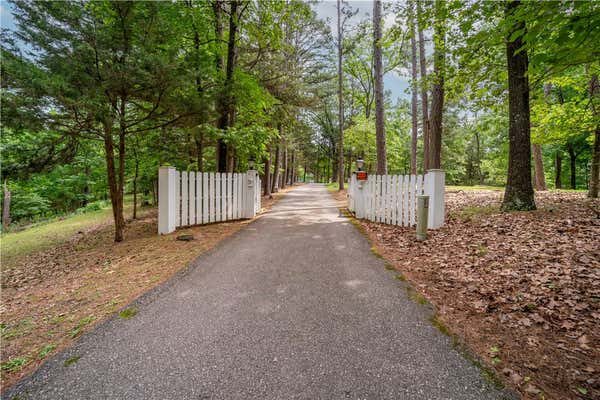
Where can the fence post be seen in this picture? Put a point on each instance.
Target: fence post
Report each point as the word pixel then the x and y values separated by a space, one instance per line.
pixel 166 199
pixel 435 180
pixel 251 181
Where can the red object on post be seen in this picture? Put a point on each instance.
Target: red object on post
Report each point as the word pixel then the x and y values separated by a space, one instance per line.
pixel 361 176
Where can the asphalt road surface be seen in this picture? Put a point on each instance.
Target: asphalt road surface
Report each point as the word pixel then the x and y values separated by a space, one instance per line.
pixel 294 306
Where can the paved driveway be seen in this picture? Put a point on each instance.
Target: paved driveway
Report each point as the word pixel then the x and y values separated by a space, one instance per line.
pixel 294 306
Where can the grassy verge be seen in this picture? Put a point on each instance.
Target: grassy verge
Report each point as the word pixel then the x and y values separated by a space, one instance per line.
pixel 44 235
pixel 334 186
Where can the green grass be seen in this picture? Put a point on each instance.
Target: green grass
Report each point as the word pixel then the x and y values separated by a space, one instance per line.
pixel 70 361
pixel 81 324
pixel 21 328
pixel 128 313
pixel 47 349
pixel 14 364
pixel 333 186
pixel 51 233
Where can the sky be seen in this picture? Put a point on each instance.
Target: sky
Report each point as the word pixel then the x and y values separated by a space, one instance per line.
pixel 327 10
pixel 6 20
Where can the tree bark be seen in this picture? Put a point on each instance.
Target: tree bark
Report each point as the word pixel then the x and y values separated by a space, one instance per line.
pixel 268 173
pixel 200 151
pixel 573 165
pixel 114 181
pixel 414 97
pixel 437 95
pixel 304 174
pixel 285 167
pixel 6 207
pixel 424 96
pixel 135 181
pixel 595 167
pixel 379 100
pixel 226 99
pixel 218 11
pixel 276 172
pixel 558 168
pixel 538 167
pixel 340 101
pixel 519 191
pixel 478 149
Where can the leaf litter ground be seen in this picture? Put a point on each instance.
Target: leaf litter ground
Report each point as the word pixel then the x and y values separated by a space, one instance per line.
pixel 521 289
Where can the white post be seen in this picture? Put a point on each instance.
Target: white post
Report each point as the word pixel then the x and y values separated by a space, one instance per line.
pixel 167 208
pixel 435 180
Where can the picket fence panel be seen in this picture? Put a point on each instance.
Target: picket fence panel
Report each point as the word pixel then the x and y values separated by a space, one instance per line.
pixel 392 199
pixel 190 198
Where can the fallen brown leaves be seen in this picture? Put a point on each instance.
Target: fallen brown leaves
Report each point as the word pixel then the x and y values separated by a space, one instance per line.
pixel 50 297
pixel 522 289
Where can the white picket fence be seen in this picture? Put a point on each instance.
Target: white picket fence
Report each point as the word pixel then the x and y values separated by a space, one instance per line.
pixel 392 199
pixel 190 198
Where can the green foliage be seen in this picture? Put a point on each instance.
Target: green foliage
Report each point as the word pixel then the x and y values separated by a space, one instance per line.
pixel 71 360
pixel 47 349
pixel 14 364
pixel 128 313
pixel 154 75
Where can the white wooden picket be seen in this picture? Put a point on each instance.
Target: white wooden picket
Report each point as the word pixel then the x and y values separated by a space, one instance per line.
pixel 392 199
pixel 190 198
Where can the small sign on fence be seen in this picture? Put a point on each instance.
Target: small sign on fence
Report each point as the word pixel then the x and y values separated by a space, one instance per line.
pixel 361 176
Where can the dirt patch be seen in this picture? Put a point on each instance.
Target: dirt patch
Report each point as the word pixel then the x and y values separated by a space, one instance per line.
pixel 521 289
pixel 49 298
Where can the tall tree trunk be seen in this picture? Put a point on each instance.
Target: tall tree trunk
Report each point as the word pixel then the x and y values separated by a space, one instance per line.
pixel 230 167
pixel 340 101
pixel 116 197
pixel 519 191
pixel 414 97
pixel 276 173
pixel 86 188
pixel 558 168
pixel 218 13
pixel 221 149
pixel 200 151
pixel 162 154
pixel 595 168
pixel 268 172
pixel 478 150
pixel 424 97
pixel 304 175
pixel 538 167
pixel 292 168
pixel 6 207
pixel 285 167
pixel 573 165
pixel 379 100
pixel 437 94
pixel 539 179
pixel 226 106
pixel 135 181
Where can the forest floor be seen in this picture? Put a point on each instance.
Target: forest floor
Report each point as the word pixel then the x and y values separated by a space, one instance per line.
pixel 520 289
pixel 52 294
